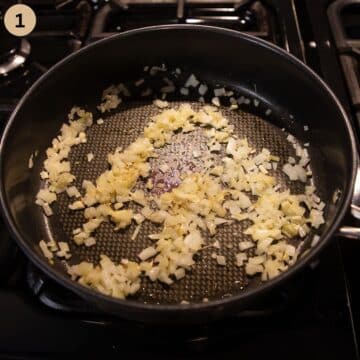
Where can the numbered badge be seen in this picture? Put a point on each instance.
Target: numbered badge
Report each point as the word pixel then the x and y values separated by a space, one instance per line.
pixel 20 20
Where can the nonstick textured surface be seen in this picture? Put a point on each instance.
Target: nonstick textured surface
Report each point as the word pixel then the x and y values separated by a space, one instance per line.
pixel 207 279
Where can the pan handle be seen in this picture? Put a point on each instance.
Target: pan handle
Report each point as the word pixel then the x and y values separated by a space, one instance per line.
pixel 351 232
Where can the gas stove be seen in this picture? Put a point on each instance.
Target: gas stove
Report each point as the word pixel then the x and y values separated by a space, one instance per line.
pixel 316 314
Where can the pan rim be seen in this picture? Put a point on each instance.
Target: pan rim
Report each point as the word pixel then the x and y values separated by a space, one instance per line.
pixel 192 307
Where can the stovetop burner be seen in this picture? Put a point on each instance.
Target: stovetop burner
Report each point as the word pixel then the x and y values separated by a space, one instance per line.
pixel 13 53
pixel 344 17
pixel 254 17
pixel 310 316
pixel 61 28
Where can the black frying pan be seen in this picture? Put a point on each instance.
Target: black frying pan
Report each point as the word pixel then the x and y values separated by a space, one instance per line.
pixel 252 68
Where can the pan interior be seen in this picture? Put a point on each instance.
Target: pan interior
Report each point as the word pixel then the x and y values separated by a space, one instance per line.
pixel 206 279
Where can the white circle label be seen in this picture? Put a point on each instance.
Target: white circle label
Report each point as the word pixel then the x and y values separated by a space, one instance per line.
pixel 20 20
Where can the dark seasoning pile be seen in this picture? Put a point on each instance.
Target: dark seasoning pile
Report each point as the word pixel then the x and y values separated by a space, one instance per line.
pixel 187 152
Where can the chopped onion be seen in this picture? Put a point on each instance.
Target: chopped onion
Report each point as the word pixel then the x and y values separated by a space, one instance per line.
pixel 221 260
pixel 315 240
pixel 90 157
pixel 64 250
pixel 139 218
pixel 202 89
pixel 184 91
pixel 215 100
pixel 47 253
pixel 219 92
pixel 72 191
pixel 44 175
pixel 47 209
pixel 192 81
pixel 245 245
pixel 336 196
pixel 31 161
pixel 240 259
pixel 179 273
pixel 77 205
pixel 161 104
pixel 147 253
pixel 252 269
pixel 216 244
pixel 155 69
pixel 136 232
